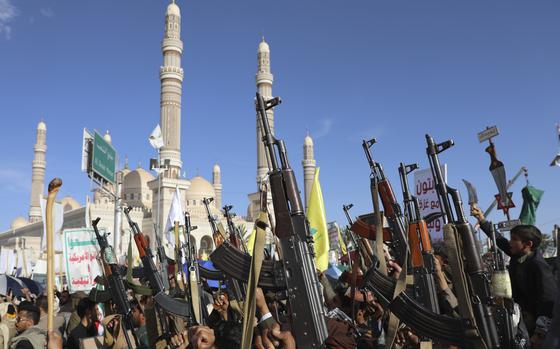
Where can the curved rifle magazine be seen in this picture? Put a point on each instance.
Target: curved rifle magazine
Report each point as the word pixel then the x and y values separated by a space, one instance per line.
pixel 236 264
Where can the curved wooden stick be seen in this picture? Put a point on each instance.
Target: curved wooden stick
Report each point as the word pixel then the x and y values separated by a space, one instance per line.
pixel 54 187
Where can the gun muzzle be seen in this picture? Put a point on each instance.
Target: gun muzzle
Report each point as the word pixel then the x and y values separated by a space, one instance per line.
pixel 370 142
pixel 411 167
pixel 271 103
pixel 443 146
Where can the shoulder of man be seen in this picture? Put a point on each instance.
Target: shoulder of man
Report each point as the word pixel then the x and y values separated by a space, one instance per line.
pixel 537 261
pixel 23 344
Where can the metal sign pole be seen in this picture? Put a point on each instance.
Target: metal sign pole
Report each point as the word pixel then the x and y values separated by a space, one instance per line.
pixel 117 219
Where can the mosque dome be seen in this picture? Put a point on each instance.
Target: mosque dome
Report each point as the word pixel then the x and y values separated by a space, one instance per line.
pixel 42 126
pixel 138 178
pixel 135 188
pixel 263 46
pixel 69 203
pixel 173 9
pixel 18 222
pixel 200 188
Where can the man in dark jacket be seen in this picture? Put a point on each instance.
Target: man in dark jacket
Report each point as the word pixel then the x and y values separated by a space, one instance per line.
pixel 531 277
pixel 85 329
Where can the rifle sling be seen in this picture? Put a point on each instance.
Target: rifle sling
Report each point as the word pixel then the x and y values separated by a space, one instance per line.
pixel 249 306
pixel 195 296
pixel 394 321
pixel 460 283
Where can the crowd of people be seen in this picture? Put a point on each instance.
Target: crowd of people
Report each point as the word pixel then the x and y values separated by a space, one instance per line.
pixel 354 318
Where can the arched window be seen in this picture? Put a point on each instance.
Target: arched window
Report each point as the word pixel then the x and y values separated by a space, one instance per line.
pixel 206 245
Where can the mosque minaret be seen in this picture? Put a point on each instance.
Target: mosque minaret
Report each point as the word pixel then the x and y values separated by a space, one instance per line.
pixel 264 81
pixel 38 173
pixel 150 197
pixel 309 166
pixel 217 184
pixel 171 77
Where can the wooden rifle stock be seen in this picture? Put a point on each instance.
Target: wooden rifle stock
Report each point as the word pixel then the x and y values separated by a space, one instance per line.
pixel 387 197
pixel 364 226
pixel 216 234
pixel 391 207
pixel 424 236
pixel 414 245
pixel 140 244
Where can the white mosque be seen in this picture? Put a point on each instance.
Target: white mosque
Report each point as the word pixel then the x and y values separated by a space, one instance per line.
pixel 140 189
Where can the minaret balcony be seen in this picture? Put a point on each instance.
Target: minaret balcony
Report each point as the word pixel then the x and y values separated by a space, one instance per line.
pixel 39 163
pixel 171 72
pixel 265 78
pixel 172 44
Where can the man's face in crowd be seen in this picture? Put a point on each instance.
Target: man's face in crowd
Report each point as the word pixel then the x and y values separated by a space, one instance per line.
pixel 23 321
pixel 64 297
pixel 519 247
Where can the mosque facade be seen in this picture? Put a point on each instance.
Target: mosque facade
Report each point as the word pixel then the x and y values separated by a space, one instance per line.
pixel 149 194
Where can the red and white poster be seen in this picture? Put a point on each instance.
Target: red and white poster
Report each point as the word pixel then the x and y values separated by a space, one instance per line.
pixel 425 190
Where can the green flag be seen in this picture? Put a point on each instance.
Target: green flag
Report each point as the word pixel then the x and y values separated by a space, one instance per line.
pixel 531 198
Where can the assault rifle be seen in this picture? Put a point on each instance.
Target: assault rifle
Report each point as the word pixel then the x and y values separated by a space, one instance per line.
pixel 194 272
pixel 217 235
pixel 504 307
pixel 115 283
pixel 422 257
pixel 475 329
pixel 305 302
pixel 168 304
pixel 234 235
pixel 477 289
pixel 391 207
pixel 163 262
pixel 237 289
pixel 361 245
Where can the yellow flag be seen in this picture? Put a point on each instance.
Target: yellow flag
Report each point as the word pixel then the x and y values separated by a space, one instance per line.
pixel 318 225
pixel 341 242
pixel 251 241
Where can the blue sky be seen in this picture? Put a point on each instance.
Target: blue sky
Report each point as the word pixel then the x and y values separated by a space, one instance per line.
pixel 346 70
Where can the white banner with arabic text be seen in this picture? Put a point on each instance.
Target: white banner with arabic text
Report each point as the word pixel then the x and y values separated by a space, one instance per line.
pixel 425 191
pixel 80 256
